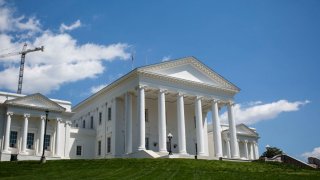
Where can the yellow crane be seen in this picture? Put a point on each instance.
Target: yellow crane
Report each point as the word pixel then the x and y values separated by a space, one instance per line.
pixel 23 53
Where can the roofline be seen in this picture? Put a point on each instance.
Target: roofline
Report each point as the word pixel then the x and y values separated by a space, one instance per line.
pixel 137 70
pixel 14 104
pixel 109 86
pixel 23 95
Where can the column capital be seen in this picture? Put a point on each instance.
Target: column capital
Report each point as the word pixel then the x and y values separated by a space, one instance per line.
pixel 199 97
pixel 181 94
pixel 9 113
pixel 68 122
pixel 227 139
pixel 26 115
pixel 231 103
pixel 59 119
pixel 163 90
pixel 246 141
pixel 43 117
pixel 140 86
pixel 213 100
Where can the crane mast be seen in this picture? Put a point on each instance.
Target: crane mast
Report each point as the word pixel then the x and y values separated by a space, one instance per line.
pixel 23 53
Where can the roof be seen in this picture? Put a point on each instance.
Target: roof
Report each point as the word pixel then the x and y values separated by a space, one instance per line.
pixel 154 69
pixel 35 101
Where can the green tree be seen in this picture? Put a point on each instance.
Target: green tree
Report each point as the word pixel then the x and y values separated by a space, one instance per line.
pixel 271 152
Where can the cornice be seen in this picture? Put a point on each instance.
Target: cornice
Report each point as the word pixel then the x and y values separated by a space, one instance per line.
pixel 197 64
pixel 185 82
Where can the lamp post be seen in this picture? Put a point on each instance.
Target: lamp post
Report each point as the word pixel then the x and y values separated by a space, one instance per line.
pixel 43 158
pixel 170 137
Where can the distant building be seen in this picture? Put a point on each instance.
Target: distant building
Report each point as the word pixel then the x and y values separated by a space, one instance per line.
pixel 132 117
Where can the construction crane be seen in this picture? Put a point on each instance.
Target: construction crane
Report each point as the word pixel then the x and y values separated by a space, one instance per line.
pixel 23 53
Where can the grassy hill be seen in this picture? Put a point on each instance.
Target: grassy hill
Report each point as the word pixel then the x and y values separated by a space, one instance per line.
pixel 152 169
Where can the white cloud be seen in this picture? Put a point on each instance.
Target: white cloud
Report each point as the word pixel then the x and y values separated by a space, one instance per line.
pixel 64 60
pixel 257 112
pixel 17 24
pixel 315 153
pixel 166 58
pixel 95 89
pixel 71 27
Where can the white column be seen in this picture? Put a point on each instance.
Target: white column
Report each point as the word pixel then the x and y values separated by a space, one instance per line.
pixel 25 133
pixel 233 134
pixel 57 145
pixel 251 151
pixel 181 125
pixel 128 115
pixel 256 150
pixel 199 125
pixel 216 129
pixel 246 149
pixel 228 148
pixel 7 135
pixel 162 121
pixel 42 124
pixel 67 137
pixel 141 118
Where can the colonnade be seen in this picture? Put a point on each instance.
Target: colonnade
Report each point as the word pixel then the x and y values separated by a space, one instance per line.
pixel 23 148
pixel 234 147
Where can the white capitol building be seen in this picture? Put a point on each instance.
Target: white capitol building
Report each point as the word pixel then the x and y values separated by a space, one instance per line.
pixel 132 117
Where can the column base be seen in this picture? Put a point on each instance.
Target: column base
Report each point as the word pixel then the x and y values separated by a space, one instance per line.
pixel 219 155
pixel 235 157
pixel 183 153
pixel 201 154
pixel 141 149
pixel 6 152
pixel 163 151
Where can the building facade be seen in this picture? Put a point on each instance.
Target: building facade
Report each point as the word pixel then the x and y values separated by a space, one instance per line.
pixel 132 117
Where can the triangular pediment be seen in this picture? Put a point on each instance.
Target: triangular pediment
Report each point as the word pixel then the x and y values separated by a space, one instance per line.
pixel 37 101
pixel 245 130
pixel 190 69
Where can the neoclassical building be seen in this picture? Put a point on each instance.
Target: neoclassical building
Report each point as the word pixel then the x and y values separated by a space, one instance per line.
pixel 132 117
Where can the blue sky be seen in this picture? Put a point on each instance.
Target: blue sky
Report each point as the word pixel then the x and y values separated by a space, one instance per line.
pixel 270 49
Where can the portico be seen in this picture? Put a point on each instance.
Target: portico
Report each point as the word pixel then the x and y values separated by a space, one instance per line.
pixel 25 124
pixel 148 103
pixel 200 105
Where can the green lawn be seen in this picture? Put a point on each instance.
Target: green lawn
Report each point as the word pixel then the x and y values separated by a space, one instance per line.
pixel 151 169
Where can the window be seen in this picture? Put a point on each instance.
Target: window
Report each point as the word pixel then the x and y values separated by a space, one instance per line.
pixel 99 148
pixel 109 113
pixel 108 145
pixel 76 125
pixel 79 150
pixel 30 139
pixel 147 143
pixel 100 118
pixel 47 142
pixel 13 138
pixel 146 115
pixel 91 122
pixel 84 124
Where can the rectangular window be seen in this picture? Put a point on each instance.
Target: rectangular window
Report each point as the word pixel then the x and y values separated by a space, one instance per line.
pixel 84 124
pixel 91 122
pixel 100 118
pixel 109 114
pixel 108 145
pixel 13 139
pixel 99 148
pixel 47 142
pixel 30 139
pixel 79 150
pixel 146 115
pixel 147 143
